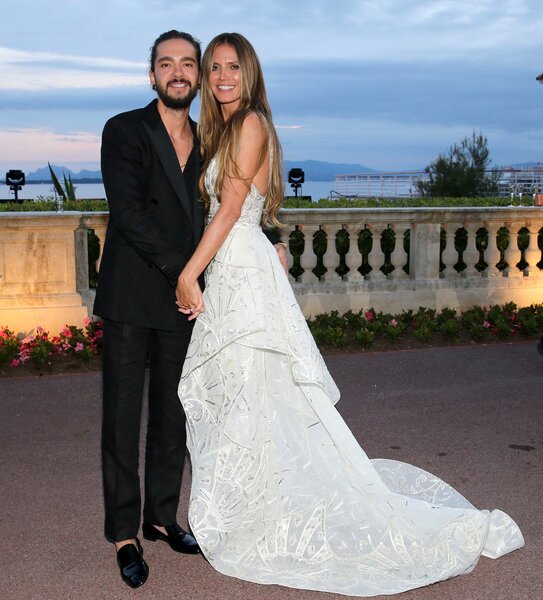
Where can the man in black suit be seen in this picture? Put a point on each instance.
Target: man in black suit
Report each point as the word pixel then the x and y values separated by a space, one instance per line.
pixel 150 168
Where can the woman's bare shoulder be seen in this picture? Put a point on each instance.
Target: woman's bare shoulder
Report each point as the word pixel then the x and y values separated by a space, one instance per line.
pixel 254 126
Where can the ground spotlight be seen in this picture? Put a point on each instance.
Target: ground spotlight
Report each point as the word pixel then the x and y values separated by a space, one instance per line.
pixel 15 179
pixel 296 177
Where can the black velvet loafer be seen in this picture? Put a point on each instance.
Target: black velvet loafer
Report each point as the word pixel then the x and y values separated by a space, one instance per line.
pixel 178 540
pixel 134 570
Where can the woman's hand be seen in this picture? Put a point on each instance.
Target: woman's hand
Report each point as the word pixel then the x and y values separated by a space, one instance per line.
pixel 282 254
pixel 189 297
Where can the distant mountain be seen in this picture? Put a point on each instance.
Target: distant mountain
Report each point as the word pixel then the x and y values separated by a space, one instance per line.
pixel 86 174
pixel 316 170
pixel 42 175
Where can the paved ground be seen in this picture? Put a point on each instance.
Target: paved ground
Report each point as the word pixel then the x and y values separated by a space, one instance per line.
pixel 473 415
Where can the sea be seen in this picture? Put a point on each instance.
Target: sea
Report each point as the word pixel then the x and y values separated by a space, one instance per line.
pixel 85 191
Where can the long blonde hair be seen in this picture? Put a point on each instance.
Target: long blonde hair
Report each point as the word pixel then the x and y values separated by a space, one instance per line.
pixel 221 138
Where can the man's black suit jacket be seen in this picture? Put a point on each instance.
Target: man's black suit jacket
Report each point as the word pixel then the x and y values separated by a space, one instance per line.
pixel 155 223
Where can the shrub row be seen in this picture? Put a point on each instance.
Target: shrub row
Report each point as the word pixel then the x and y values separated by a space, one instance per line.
pixel 366 327
pixel 49 203
pixel 360 329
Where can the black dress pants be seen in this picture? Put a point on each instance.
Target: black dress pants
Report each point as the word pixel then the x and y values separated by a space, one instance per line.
pixel 126 349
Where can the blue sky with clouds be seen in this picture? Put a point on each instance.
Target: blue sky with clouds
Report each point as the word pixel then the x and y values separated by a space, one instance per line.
pixel 385 83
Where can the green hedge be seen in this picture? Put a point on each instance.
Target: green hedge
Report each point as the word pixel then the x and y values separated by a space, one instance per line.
pixel 49 204
pixel 407 202
pixel 364 328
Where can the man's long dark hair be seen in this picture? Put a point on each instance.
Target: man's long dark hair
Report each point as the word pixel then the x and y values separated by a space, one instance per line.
pixel 175 35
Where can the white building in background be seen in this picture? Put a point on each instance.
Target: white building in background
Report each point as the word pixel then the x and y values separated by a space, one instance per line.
pixel 387 184
pixel 517 180
pixel 403 184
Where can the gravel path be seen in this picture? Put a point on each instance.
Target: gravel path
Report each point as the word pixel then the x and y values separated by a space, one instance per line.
pixel 473 415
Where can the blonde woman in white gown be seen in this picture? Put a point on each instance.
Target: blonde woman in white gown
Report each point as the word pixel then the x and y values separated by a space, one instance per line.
pixel 281 491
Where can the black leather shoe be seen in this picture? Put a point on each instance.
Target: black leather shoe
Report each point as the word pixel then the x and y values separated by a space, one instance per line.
pixel 178 540
pixel 134 570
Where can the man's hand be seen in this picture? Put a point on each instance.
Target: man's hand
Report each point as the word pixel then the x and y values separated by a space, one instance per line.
pixel 282 254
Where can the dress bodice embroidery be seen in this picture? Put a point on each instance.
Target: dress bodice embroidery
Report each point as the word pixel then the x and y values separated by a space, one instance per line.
pixel 253 205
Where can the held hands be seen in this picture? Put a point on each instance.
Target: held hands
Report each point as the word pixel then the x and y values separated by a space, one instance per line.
pixel 189 297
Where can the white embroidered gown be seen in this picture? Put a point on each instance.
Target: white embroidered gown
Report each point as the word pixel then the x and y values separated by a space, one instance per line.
pixel 282 493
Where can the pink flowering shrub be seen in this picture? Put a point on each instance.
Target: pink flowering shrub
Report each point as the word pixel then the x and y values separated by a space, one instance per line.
pixel 82 343
pixel 364 327
pixel 40 348
pixel 9 348
pixel 37 348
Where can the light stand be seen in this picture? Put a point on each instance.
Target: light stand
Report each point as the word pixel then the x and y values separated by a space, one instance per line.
pixel 15 179
pixel 296 177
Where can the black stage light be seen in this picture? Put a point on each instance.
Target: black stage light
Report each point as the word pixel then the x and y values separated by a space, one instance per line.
pixel 15 179
pixel 296 177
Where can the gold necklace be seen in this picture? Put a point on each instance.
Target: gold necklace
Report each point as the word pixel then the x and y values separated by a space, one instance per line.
pixel 190 145
pixel 188 153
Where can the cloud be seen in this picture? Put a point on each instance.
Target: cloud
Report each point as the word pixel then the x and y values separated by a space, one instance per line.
pixel 451 92
pixel 387 83
pixel 39 71
pixel 42 145
pixel 395 31
pixel 10 55
pixel 390 144
pixel 78 100
pixel 382 31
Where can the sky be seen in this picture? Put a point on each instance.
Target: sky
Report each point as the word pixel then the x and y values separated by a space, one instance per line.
pixel 388 84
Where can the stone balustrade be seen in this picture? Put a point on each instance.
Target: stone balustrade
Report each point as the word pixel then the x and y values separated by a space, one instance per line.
pixel 430 270
pixel 390 259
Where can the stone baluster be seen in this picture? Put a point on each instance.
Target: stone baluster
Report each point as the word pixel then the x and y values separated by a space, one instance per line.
pixel 353 259
pixel 471 254
pixel 492 254
pixel 81 259
pixel 330 260
pixel 449 256
pixel 532 254
pixel 308 259
pixel 512 252
pixel 424 250
pixel 100 232
pixel 376 257
pixel 98 223
pixel 398 257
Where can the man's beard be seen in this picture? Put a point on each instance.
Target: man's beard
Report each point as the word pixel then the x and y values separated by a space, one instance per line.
pixel 177 103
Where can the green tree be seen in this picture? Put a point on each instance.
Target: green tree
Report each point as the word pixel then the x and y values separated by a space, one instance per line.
pixel 464 171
